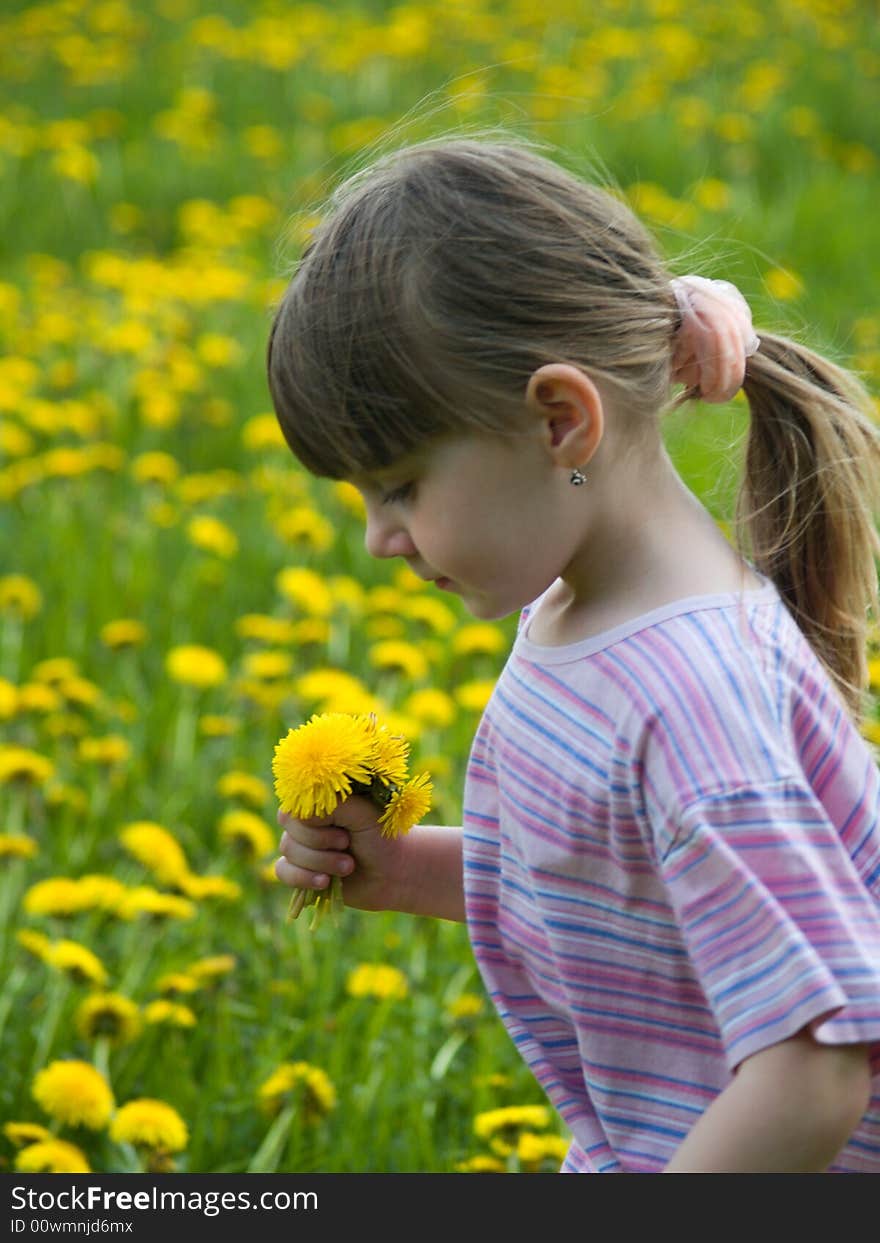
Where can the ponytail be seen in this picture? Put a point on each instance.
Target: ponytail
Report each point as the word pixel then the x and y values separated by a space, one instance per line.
pixel 806 507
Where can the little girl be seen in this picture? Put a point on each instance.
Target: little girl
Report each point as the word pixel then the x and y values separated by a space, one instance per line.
pixel 670 857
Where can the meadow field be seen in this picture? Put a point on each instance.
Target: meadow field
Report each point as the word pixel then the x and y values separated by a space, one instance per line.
pixel 176 593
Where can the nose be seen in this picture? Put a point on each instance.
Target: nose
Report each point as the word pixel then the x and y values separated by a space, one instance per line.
pixel 386 536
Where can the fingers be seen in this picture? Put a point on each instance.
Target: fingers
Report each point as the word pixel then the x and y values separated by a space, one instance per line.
pixel 311 854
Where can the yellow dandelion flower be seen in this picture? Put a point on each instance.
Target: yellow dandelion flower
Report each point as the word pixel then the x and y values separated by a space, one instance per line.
pixel 57 895
pixel 307 1085
pixel 9 699
pixel 55 670
pixel 306 589
pixel 390 759
pixel 125 632
pixel 144 900
pixel 194 665
pixel 437 616
pixel 35 943
pixel 98 892
pixel 243 786
pixel 267 665
pixel 169 1013
pixel 431 707
pixel 19 596
pixel 214 725
pixel 109 750
pixel 111 1015
pixel 156 467
pixel 17 846
pixel 262 431
pixel 533 1150
pixel 220 887
pixel 149 1123
pixel 403 657
pixel 377 980
pixel 474 695
pixel 304 526
pixel 407 806
pixel 506 1123
pixel 23 764
pixel 466 1007
pixel 479 638
pixel 265 629
pixel 80 692
pixel 39 697
pixel 247 832
pixel 20 1134
pixel 179 983
pixel 52 1156
pixel 482 1163
pixel 315 764
pixel 783 284
pixel 78 961
pixel 211 535
pixel 349 498
pixel 74 1093
pixel 156 849
pixel 210 969
pixel 322 685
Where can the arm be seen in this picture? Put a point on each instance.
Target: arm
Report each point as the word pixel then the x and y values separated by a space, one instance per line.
pixel 789 1109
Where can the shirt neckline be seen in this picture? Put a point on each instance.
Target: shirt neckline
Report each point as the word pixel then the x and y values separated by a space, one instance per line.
pixel 557 655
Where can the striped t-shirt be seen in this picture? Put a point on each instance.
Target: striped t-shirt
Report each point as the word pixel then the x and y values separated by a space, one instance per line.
pixel 671 862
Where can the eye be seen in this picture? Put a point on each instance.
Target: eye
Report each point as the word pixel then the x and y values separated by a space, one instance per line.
pixel 401 493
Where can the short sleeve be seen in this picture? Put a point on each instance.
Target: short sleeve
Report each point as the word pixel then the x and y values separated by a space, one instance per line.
pixel 782 930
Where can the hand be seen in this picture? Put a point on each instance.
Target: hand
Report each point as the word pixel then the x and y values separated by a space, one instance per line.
pixel 347 843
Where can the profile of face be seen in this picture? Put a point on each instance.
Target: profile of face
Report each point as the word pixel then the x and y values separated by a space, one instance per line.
pixel 492 518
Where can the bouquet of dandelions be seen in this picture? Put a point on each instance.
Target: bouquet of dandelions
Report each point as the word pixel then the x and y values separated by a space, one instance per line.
pixel 332 756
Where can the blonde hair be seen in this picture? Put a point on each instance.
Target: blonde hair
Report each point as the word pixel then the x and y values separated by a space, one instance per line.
pixel 447 272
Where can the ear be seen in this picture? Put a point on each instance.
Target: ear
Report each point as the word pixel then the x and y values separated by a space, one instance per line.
pixel 569 407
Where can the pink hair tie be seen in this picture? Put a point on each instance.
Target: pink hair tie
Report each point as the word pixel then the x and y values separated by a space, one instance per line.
pixel 714 339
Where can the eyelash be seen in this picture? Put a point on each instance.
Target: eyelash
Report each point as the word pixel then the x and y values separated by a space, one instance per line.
pixel 398 494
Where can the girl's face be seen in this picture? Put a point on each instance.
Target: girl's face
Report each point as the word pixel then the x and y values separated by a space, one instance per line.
pixel 480 516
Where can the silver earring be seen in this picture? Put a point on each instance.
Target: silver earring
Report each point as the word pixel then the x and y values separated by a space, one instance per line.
pixel 577 477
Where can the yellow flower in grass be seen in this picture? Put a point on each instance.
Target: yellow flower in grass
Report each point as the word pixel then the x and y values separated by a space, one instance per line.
pixel 214 725
pixel 125 632
pixel 407 806
pixel 482 1163
pixel 55 670
pixel 389 762
pixel 23 764
pixel 207 970
pixel 304 525
pixel 144 900
pixel 219 887
pixel 111 1015
pixel 314 765
pixel 267 665
pixel 466 1007
pixel 35 943
pixel 156 849
pixel 20 1134
pixel 474 695
pixel 57 895
pixel 177 983
pixel 479 638
pixel 209 534
pixel 109 750
pixel 321 685
pixel 169 1013
pixel 77 961
pixel 247 832
pixel 151 1124
pixel 306 589
pixel 52 1156
pixel 265 629
pixel 39 697
pixel 436 615
pixel 98 892
pixel 74 1093
pixel 197 666
pixel 9 699
pixel 534 1151
pixel 502 1127
pixel 243 786
pixel 397 655
pixel 300 1082
pixel 19 597
pixel 155 467
pixel 17 846
pixel 377 980
pixel 431 707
